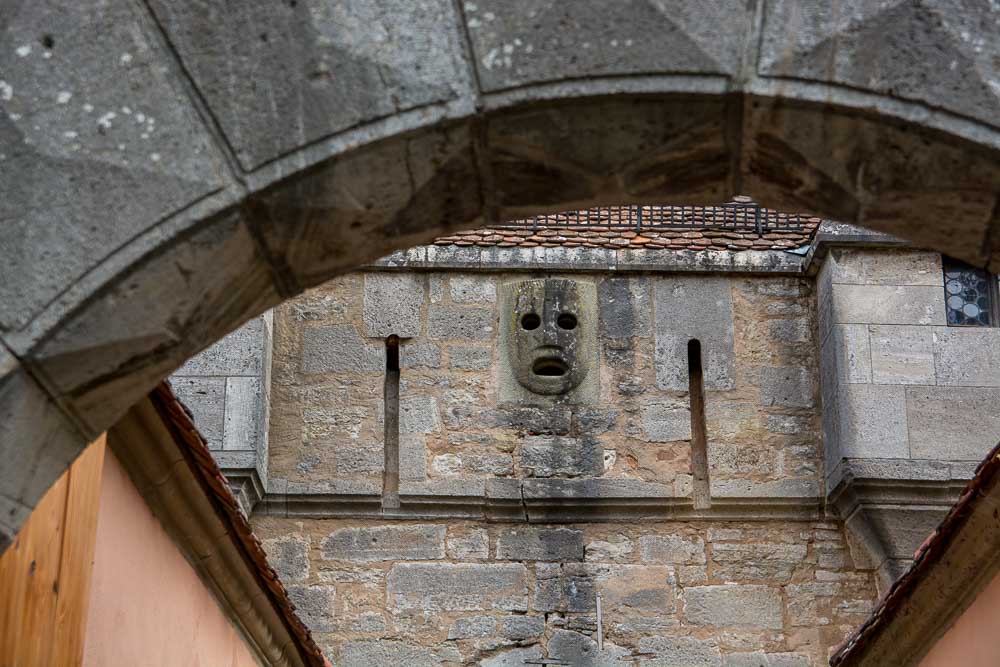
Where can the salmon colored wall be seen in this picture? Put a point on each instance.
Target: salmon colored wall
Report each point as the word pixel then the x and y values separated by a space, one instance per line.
pixel 974 639
pixel 147 605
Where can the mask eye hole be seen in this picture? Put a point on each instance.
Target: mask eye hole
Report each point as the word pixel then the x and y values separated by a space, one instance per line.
pixel 530 321
pixel 566 321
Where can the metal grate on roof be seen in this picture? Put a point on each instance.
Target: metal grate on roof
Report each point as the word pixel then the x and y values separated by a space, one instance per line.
pixel 737 216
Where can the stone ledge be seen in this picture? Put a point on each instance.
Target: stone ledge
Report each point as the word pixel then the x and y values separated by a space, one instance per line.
pixel 831 234
pixel 588 260
pixel 889 506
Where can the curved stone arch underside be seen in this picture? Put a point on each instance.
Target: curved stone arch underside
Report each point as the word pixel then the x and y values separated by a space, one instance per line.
pixel 171 169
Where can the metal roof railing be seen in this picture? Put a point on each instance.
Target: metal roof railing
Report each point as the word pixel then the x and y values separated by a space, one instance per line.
pixel 744 217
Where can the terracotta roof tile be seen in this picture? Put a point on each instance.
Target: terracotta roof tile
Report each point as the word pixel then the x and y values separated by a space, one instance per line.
pixel 730 227
pixel 195 450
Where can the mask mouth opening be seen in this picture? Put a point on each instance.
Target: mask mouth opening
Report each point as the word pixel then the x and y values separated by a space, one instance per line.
pixel 550 367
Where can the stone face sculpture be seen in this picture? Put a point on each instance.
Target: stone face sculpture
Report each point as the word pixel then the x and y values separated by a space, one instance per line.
pixel 549 334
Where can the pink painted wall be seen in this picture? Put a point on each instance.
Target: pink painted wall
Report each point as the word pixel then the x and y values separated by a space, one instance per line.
pixel 974 639
pixel 147 605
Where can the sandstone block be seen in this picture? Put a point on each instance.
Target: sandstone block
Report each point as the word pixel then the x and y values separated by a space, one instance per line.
pixel 547 544
pixel 470 358
pixel 695 307
pixel 680 652
pixel 314 605
pixel 522 627
pixel 735 606
pixel 471 545
pixel 786 386
pixel 338 348
pixel 289 556
pixel 672 549
pixel 458 587
pixel 472 627
pixel 955 423
pixel 392 303
pixel 459 322
pixel 665 422
pixel 473 289
pixel 383 543
pixel 902 354
pixel 557 456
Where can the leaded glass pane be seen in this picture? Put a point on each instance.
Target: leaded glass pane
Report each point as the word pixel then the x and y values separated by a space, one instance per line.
pixel 968 294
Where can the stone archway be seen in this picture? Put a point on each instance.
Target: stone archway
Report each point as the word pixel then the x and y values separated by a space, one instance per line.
pixel 171 171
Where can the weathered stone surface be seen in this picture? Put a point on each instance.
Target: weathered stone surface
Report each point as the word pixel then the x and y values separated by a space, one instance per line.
pixel 521 627
pixel 460 587
pixel 564 588
pixel 874 422
pixel 757 562
pixel 625 307
pixel 473 463
pixel 387 652
pixel 412 457
pixel 761 659
pixel 665 422
pixel 314 605
pixel 559 456
pixel 289 556
pixel 672 549
pixel 473 289
pixel 472 627
pixel 734 606
pixel 338 348
pixel 886 304
pixel 952 423
pixel 637 587
pixel 472 545
pixel 873 52
pixel 85 132
pixel 850 354
pixel 459 322
pixel 553 420
pixel 517 657
pixel 885 267
pixel 966 356
pixel 693 308
pixel 786 386
pixel 796 330
pixel 573 648
pixel 470 358
pixel 680 652
pixel 385 543
pixel 548 544
pixel 422 354
pixel 515 48
pixel 615 548
pixel 37 442
pixel 902 354
pixel 206 398
pixel 418 414
pixel 241 352
pixel 351 81
pixel 392 304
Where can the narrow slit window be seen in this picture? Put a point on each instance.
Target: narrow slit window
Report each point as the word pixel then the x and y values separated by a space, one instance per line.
pixel 969 294
pixel 390 471
pixel 699 432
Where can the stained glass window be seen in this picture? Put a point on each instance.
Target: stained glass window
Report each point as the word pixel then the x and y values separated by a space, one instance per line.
pixel 968 294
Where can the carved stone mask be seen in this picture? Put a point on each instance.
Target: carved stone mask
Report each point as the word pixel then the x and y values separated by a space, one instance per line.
pixel 550 334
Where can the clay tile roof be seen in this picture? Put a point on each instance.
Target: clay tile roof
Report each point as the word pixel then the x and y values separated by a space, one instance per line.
pixel 192 445
pixel 732 226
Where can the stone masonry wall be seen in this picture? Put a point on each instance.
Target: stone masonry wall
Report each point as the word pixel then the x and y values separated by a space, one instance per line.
pixel 760 377
pixel 695 594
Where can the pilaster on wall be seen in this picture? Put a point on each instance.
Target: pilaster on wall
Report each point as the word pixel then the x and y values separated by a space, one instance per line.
pixel 909 403
pixel 227 388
